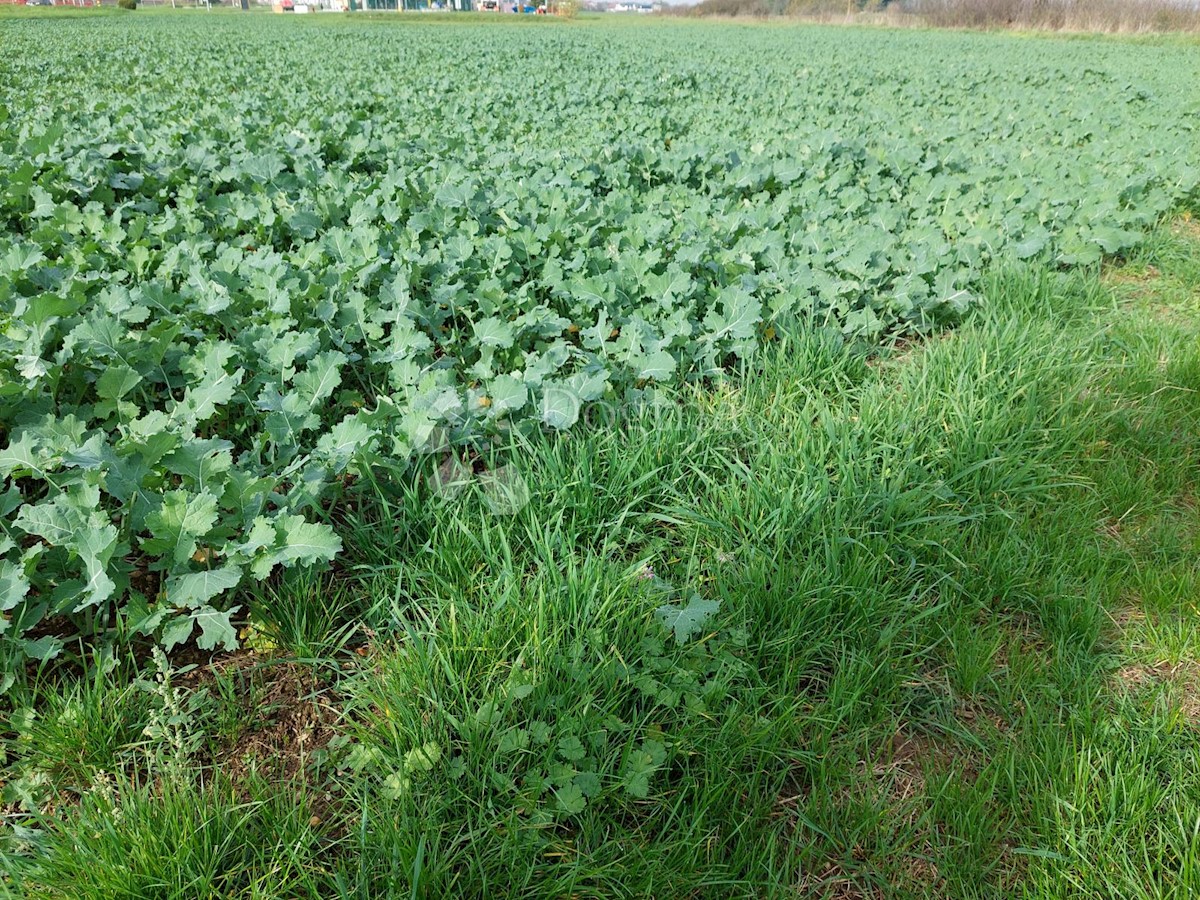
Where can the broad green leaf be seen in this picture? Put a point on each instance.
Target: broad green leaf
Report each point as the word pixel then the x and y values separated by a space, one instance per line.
pixel 739 314
pixel 42 649
pixel 348 437
pixel 657 366
pixel 14 586
pixel 215 628
pixel 204 463
pixel 140 618
pixel 322 376
pixel 95 544
pixel 508 394
pixel 295 541
pixel 117 381
pixel 687 621
pixel 200 401
pixel 197 589
pixel 21 454
pixel 561 406
pixel 55 521
pixel 492 332
pixel 177 631
pixel 183 517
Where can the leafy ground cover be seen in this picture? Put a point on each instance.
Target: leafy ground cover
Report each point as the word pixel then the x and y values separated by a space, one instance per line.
pixel 813 609
pixel 235 283
pixel 951 661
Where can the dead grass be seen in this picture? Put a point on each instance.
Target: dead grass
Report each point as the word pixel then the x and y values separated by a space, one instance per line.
pixel 832 883
pixel 901 768
pixel 903 351
pixel 1111 16
pixel 1180 680
pixel 1133 276
pixel 1140 679
pixel 1186 226
pixel 1068 16
pixel 897 777
pixel 290 711
pixel 1128 617
pixel 298 716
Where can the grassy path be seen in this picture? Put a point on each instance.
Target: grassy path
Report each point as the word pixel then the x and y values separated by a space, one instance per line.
pixel 955 652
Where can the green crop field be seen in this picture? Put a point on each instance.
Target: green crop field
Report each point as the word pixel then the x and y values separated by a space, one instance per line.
pixel 483 457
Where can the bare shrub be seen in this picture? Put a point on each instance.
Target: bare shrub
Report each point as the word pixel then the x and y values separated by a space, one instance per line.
pixel 1059 15
pixel 1034 15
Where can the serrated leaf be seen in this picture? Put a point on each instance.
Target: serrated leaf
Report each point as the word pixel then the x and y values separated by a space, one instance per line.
pixel 21 454
pixel 55 521
pixel 571 748
pixel 637 783
pixel 117 381
pixel 14 586
pixel 42 649
pixel 95 544
pixel 1029 247
pixel 571 799
pixel 513 739
pixel 348 437
pixel 140 617
pixel 656 366
pixel 422 759
pixel 322 376
pixel 588 783
pixel 306 542
pixel 200 401
pixel 215 628
pixel 738 316
pixel 508 394
pixel 687 621
pixel 203 463
pixel 492 332
pixel 10 500
pixel 178 522
pixel 177 631
pixel 395 786
pixel 488 714
pixel 197 589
